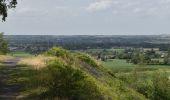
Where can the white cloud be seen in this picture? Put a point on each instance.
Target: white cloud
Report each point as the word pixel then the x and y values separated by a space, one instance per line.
pixel 99 5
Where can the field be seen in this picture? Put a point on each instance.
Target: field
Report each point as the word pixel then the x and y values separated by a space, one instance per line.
pixel 20 54
pixel 119 66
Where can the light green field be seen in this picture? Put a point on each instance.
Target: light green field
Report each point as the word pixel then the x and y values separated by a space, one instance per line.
pixel 117 65
pixel 20 54
pixel 119 50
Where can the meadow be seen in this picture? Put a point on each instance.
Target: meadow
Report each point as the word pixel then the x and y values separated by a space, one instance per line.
pixel 121 66
pixel 20 54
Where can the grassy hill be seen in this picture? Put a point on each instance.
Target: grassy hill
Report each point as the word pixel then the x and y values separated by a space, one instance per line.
pixel 60 74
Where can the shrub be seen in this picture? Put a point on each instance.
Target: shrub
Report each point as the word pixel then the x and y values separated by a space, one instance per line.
pixel 62 53
pixel 88 59
pixel 71 83
pixel 161 84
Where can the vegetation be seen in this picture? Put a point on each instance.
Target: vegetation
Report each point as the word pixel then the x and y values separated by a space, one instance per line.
pixel 82 80
pixel 62 74
pixel 5 5
pixel 155 86
pixel 20 54
pixel 3 45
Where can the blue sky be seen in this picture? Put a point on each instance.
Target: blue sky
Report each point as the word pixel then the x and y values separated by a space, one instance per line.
pixel 88 17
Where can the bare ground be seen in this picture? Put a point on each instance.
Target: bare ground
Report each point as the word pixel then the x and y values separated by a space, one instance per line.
pixel 9 89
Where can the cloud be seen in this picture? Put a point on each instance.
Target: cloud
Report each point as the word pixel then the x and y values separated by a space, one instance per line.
pixel 99 5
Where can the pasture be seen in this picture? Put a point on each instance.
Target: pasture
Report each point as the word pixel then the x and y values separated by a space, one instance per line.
pixel 121 66
pixel 20 54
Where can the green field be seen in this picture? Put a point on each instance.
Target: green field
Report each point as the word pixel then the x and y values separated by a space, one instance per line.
pixel 112 49
pixel 117 65
pixel 20 54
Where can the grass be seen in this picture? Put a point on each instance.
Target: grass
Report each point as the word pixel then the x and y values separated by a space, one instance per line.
pixel 4 58
pixel 119 50
pixel 20 54
pixel 37 62
pixel 117 65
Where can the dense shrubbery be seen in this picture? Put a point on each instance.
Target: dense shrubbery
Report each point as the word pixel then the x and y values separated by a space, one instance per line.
pixel 154 87
pixel 75 81
pixel 69 82
pixel 64 80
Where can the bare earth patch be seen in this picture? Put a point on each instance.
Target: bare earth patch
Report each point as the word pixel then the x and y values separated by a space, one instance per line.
pixel 8 90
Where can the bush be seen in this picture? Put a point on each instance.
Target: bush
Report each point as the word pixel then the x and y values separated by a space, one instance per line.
pixel 71 83
pixel 88 59
pixel 161 84
pixel 62 53
pixel 59 52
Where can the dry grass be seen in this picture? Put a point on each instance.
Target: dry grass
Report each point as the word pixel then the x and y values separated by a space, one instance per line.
pixel 36 62
pixel 4 58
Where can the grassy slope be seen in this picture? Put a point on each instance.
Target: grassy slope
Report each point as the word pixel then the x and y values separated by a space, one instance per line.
pixel 103 78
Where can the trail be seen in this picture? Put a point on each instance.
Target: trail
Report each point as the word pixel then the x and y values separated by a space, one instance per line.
pixel 9 88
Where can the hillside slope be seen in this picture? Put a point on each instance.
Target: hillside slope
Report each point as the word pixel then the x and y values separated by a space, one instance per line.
pixel 74 76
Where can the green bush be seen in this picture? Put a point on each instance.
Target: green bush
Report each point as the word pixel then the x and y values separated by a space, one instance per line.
pixel 62 53
pixel 71 83
pixel 57 51
pixel 155 87
pixel 88 59
pixel 161 84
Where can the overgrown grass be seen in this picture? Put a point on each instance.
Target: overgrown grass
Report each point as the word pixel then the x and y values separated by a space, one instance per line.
pixel 4 58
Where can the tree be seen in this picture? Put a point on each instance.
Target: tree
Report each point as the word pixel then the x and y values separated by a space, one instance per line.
pixel 3 45
pixel 167 58
pixel 5 5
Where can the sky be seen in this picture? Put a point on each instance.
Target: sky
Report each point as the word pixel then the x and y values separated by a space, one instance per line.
pixel 88 17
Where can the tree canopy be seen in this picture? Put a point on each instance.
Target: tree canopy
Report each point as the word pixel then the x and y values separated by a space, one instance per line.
pixel 5 5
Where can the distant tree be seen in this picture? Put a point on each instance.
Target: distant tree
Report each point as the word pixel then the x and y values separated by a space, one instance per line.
pixel 5 5
pixel 139 57
pixel 167 58
pixel 3 45
pixel 136 57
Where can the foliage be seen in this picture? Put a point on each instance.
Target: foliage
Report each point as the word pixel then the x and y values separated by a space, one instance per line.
pixel 3 45
pixel 5 5
pixel 88 59
pixel 68 82
pixel 155 86
pixel 167 58
pixel 161 85
pixel 61 53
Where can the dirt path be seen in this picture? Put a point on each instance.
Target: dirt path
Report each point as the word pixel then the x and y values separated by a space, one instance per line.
pixel 9 88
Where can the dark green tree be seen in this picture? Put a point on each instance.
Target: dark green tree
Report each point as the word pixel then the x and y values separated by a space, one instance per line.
pixel 5 5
